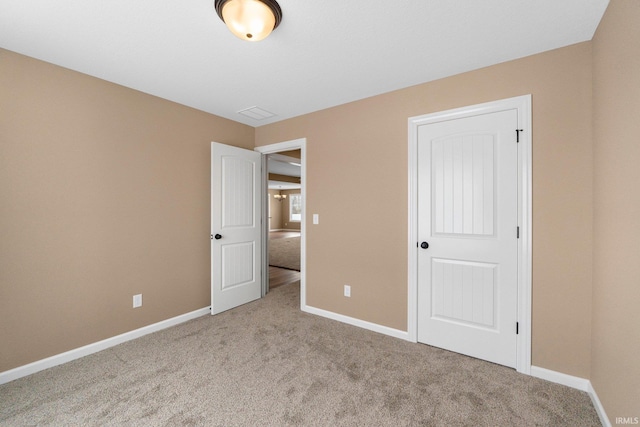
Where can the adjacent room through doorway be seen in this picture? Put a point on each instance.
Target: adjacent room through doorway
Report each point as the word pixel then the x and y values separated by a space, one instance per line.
pixel 285 216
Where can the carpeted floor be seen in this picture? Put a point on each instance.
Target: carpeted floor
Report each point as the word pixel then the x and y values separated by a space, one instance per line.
pixel 285 253
pixel 268 364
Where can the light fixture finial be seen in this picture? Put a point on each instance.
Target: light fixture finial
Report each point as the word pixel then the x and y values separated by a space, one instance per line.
pixel 250 20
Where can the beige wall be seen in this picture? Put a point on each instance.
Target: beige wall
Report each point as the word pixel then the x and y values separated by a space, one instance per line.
pixel 275 211
pixel 104 193
pixel 293 153
pixel 616 301
pixel 284 178
pixel 361 196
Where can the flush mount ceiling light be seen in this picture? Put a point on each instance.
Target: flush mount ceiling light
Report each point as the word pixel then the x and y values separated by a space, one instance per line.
pixel 251 20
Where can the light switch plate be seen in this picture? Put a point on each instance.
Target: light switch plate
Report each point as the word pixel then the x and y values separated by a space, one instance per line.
pixel 137 301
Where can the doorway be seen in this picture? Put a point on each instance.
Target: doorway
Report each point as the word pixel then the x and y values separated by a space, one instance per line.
pixel 469 231
pixel 292 225
pixel 285 214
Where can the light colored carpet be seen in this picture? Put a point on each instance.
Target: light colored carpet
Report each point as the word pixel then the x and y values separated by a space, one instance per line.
pixel 268 364
pixel 285 253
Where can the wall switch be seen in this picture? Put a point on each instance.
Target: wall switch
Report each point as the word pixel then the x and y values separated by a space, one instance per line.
pixel 316 219
pixel 137 301
pixel 347 290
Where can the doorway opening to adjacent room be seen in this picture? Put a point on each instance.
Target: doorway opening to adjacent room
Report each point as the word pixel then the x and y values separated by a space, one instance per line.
pixel 240 210
pixel 284 203
pixel 284 168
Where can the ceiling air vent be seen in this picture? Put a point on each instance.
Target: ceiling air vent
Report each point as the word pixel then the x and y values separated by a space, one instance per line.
pixel 256 113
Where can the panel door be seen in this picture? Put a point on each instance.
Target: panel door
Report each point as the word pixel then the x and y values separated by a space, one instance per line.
pixel 235 227
pixel 467 223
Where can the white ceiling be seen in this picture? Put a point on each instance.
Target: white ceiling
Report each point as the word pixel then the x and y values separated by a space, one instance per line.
pixel 324 53
pixel 284 165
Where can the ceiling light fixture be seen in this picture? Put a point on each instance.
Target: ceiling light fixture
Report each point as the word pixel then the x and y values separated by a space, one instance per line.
pixel 250 20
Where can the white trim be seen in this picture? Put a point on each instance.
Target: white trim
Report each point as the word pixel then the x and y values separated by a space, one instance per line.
pixel 523 106
pixel 357 322
pixel 573 382
pixel 560 378
pixel 266 223
pixel 525 221
pixel 77 353
pixel 412 255
pixel 295 144
pixel 598 405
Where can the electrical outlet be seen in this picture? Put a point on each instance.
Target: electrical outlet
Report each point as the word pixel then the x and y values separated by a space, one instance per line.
pixel 347 291
pixel 316 219
pixel 137 301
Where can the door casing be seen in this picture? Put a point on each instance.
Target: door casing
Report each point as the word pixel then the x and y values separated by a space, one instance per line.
pixel 523 106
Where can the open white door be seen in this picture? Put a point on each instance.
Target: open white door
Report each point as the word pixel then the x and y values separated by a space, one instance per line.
pixel 235 226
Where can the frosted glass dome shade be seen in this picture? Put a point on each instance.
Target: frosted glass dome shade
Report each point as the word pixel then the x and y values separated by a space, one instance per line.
pixel 251 20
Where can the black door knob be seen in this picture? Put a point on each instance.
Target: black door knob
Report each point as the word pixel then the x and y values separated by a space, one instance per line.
pixel 424 245
pixel 218 237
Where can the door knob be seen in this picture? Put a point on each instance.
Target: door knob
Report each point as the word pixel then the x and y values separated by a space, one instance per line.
pixel 218 236
pixel 424 245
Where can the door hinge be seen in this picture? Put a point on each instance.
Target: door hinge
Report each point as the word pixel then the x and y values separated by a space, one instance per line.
pixel 517 232
pixel 517 328
pixel 212 237
pixel 518 134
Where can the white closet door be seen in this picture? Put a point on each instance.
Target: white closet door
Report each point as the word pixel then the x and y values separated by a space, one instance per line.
pixel 467 224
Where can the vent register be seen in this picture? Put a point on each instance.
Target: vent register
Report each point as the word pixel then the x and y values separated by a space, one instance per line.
pixel 256 113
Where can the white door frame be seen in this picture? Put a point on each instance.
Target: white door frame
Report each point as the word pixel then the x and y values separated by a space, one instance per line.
pixel 295 144
pixel 523 106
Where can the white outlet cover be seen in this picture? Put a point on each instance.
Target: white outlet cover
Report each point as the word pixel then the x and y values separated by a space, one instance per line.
pixel 316 219
pixel 347 290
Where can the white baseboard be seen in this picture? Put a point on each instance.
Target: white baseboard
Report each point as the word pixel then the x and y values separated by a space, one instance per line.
pixel 573 382
pixel 59 359
pixel 598 405
pixel 560 378
pixel 25 370
pixel 357 322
